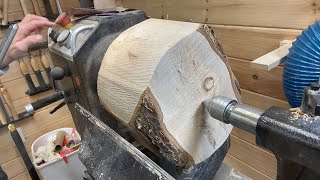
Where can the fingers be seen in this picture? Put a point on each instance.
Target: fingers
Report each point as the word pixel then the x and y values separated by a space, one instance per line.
pixel 31 23
pixel 30 17
pixel 23 45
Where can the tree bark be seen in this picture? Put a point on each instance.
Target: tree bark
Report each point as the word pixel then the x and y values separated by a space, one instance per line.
pixel 154 78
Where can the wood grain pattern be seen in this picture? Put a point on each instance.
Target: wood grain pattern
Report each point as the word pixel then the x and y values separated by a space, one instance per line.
pixel 152 7
pixel 15 11
pixel 23 176
pixel 24 7
pixel 251 42
pixel 256 157
pixel 245 168
pixel 244 135
pixel 247 29
pixel 195 10
pixel 294 14
pixel 170 75
pixel 261 101
pixel 241 12
pixel 36 7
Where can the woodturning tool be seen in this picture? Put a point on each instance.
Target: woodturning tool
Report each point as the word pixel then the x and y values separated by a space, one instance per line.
pixel 36 7
pixel 23 152
pixel 8 101
pixel 46 65
pixel 24 7
pixel 48 9
pixel 36 69
pixel 3 113
pixel 5 12
pixel 25 71
pixel 3 118
pixel 1 7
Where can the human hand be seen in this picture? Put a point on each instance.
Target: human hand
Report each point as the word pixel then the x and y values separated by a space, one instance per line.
pixel 27 35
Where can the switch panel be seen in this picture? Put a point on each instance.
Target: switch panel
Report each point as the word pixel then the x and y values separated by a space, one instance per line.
pixel 67 42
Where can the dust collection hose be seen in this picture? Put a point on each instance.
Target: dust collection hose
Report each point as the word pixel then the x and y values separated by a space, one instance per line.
pixel 44 102
pixel 302 64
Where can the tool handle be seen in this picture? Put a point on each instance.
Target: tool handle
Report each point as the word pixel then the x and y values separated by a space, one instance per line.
pixel 3 118
pixel 5 12
pixel 36 7
pixel 45 61
pixel 8 100
pixel 34 64
pixel 31 86
pixel 47 7
pixel 1 7
pixel 24 68
pixel 44 102
pixel 24 7
pixel 24 154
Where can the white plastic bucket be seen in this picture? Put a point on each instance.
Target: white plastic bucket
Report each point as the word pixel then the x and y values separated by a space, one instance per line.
pixel 59 169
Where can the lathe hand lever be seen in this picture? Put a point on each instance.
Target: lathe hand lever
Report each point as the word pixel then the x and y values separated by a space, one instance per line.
pixel 44 102
pixel 57 107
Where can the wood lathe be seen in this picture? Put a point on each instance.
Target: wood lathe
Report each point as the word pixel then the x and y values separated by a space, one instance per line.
pixel 135 87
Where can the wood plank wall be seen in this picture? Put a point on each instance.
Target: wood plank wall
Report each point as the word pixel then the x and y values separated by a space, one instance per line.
pixel 246 29
pixel 42 121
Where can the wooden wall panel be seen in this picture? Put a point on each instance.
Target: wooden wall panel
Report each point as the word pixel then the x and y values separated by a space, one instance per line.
pixel 22 176
pixel 261 101
pixel 258 158
pixel 294 14
pixel 245 168
pixel 153 7
pixel 245 42
pixel 263 82
pixel 182 10
pixel 15 9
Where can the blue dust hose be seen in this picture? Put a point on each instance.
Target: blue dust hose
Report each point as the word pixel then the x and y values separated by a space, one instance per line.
pixel 302 64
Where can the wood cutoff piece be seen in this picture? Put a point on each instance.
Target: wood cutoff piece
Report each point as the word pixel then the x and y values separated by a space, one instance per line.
pixel 273 58
pixel 154 78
